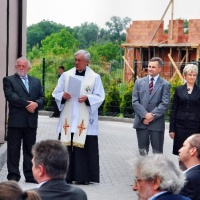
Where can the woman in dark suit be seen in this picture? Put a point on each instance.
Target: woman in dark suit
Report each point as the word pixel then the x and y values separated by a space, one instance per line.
pixel 185 112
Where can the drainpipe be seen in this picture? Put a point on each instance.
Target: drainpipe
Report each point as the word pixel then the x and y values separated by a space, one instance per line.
pixel 20 21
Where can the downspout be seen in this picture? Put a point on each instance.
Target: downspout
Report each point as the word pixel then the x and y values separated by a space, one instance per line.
pixel 7 62
pixel 20 21
pixel 7 36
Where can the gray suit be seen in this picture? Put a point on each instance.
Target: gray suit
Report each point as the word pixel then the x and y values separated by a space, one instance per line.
pixel 157 103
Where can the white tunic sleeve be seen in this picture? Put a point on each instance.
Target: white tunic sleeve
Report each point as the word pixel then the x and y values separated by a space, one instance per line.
pixel 59 91
pixel 97 97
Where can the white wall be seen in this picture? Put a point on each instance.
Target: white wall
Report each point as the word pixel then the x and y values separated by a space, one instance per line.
pixel 12 46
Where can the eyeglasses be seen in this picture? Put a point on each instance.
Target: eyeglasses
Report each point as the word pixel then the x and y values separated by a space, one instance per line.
pixel 78 60
pixel 139 179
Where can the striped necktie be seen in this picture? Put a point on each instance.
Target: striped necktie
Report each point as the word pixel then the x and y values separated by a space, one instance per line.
pixel 151 85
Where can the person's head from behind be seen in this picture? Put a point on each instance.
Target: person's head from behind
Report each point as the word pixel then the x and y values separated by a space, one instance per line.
pixel 81 59
pixel 156 173
pixel 50 160
pixel 189 153
pixel 10 190
pixel 155 66
pixel 61 69
pixel 22 66
pixel 190 73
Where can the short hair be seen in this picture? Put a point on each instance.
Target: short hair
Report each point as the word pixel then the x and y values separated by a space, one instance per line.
pixel 155 166
pixel 85 53
pixel 23 58
pixel 61 67
pixel 11 190
pixel 190 68
pixel 158 59
pixel 194 141
pixel 53 155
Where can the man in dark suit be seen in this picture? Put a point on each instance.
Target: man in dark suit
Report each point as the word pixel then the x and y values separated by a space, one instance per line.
pixel 151 98
pixel 157 178
pixel 25 97
pixel 189 155
pixel 50 165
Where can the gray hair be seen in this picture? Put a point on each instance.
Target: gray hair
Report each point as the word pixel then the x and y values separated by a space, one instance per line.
pixel 85 53
pixel 155 166
pixel 190 68
pixel 158 59
pixel 53 155
pixel 23 58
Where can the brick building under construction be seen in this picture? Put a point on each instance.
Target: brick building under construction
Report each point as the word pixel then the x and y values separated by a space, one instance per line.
pixel 145 39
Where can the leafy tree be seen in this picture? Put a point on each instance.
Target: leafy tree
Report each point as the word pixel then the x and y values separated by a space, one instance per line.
pixel 59 43
pixel 37 32
pixel 106 52
pixel 116 26
pixel 126 107
pixel 185 26
pixel 86 34
pixel 112 101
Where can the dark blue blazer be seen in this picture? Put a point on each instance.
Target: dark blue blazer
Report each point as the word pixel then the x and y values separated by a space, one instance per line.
pixel 192 187
pixel 17 96
pixel 58 189
pixel 170 196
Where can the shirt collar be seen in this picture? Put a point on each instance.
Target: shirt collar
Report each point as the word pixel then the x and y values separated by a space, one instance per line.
pixel 190 168
pixel 155 78
pixel 157 194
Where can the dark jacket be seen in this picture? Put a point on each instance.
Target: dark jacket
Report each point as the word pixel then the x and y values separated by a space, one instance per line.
pixel 170 196
pixel 192 187
pixel 18 96
pixel 58 189
pixel 185 106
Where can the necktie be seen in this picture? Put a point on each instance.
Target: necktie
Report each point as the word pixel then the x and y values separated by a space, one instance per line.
pixel 151 85
pixel 26 83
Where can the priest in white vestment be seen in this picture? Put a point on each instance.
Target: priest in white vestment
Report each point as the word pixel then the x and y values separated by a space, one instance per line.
pixel 78 94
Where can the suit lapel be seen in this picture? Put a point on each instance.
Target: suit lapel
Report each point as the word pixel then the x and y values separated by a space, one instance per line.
pixel 30 83
pixel 184 91
pixel 195 92
pixel 19 80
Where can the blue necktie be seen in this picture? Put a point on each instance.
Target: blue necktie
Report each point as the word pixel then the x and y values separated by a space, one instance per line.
pixel 26 83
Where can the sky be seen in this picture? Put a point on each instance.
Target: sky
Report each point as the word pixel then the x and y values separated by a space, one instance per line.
pixel 76 12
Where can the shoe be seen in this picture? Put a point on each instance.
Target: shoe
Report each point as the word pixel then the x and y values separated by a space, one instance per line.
pixel 69 182
pixel 59 136
pixel 82 182
pixel 31 181
pixel 12 179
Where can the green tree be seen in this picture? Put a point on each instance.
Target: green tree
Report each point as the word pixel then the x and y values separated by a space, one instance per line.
pixel 116 26
pixel 86 34
pixel 37 32
pixel 185 26
pixel 106 52
pixel 111 106
pixel 59 43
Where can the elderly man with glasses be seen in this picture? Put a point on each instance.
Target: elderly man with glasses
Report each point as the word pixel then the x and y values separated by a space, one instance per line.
pixel 157 178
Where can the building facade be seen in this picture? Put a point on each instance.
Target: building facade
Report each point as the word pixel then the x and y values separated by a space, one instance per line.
pixel 12 46
pixel 145 39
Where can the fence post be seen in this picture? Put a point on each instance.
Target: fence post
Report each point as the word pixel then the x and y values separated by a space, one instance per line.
pixel 198 76
pixel 135 70
pixel 43 74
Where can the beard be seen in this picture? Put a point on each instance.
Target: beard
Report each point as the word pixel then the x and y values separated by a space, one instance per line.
pixel 21 73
